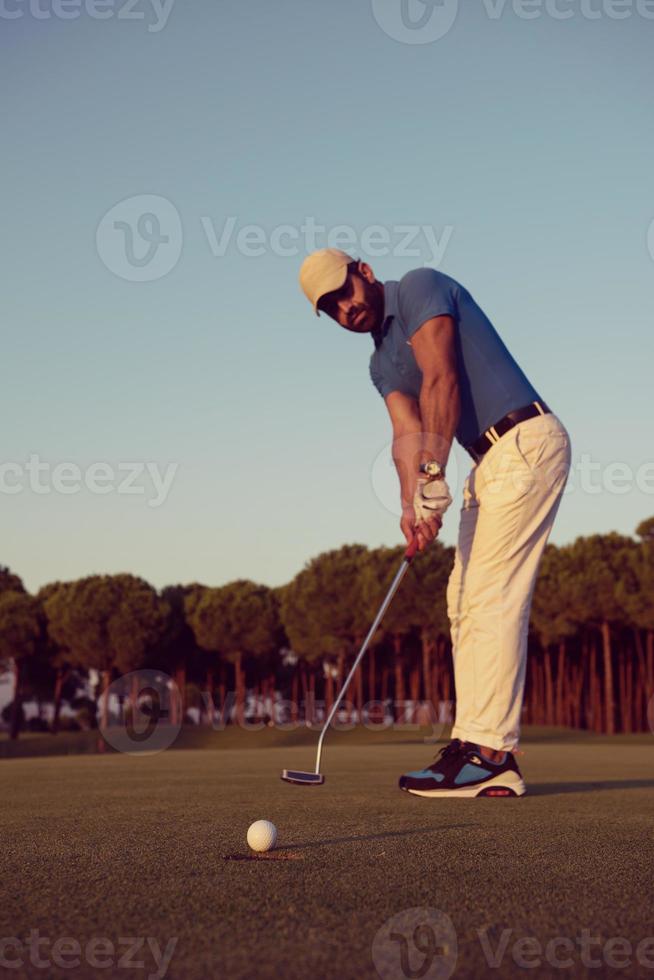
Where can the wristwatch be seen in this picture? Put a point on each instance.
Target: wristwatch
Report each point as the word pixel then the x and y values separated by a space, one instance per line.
pixel 433 469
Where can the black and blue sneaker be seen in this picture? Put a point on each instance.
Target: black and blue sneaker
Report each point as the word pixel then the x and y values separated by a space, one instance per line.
pixel 462 770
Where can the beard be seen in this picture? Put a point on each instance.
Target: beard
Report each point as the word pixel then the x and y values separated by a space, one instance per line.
pixel 369 312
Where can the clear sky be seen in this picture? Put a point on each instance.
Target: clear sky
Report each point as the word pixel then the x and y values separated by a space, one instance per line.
pixel 165 341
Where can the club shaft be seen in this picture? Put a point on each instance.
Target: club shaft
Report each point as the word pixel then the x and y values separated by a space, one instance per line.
pixel 373 629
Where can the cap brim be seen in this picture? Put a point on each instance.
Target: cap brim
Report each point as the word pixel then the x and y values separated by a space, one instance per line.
pixel 335 282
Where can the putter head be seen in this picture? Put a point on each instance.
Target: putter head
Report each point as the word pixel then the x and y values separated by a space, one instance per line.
pixel 302 778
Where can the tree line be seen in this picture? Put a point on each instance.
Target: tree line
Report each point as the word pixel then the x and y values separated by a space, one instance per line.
pixel 591 639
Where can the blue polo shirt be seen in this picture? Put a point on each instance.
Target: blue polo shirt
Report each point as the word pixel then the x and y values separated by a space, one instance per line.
pixel 490 382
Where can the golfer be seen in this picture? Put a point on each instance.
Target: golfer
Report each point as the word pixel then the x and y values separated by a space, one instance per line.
pixel 443 371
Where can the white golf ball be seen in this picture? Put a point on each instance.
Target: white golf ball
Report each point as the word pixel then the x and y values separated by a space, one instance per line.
pixel 262 835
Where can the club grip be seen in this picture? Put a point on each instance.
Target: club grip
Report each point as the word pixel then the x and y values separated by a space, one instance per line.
pixel 412 549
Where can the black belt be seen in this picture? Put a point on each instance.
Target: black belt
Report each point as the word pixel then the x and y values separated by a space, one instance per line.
pixel 488 438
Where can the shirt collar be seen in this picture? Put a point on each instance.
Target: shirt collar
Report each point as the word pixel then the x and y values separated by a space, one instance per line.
pixel 390 299
pixel 390 309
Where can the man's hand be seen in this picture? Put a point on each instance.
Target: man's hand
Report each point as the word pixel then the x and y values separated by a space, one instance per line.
pixel 431 499
pixel 426 531
pixel 424 517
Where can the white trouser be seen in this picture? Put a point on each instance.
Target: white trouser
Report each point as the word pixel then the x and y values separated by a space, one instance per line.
pixel 510 500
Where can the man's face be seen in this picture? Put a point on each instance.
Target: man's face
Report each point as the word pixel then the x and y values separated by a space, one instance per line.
pixel 359 304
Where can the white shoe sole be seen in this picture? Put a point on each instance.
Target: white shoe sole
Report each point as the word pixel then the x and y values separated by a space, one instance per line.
pixel 504 785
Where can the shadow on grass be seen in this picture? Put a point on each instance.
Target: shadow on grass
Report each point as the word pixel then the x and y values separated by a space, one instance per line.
pixel 289 852
pixel 555 789
pixel 387 835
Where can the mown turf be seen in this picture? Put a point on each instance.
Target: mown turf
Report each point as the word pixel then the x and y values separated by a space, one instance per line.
pixel 116 846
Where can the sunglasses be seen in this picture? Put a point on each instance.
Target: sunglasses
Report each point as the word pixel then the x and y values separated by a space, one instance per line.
pixel 329 303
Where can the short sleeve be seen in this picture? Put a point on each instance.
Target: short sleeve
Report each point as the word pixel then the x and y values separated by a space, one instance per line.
pixel 424 294
pixel 383 386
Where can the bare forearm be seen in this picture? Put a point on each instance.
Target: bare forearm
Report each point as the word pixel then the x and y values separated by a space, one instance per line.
pixel 440 409
pixel 430 436
pixel 407 447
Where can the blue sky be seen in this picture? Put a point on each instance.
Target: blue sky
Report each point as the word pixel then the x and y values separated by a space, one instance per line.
pixel 524 146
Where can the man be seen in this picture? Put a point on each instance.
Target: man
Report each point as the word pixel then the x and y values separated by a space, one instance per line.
pixel 443 371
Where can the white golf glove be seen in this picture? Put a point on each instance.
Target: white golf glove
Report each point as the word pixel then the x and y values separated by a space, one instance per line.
pixel 431 499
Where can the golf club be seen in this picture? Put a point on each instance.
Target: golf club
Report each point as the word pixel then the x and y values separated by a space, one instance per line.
pixel 316 778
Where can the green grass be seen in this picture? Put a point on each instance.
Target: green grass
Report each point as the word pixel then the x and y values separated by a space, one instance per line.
pixel 43 743
pixel 32 744
pixel 120 846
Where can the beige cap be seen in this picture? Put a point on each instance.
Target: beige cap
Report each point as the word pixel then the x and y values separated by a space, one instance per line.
pixel 322 272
